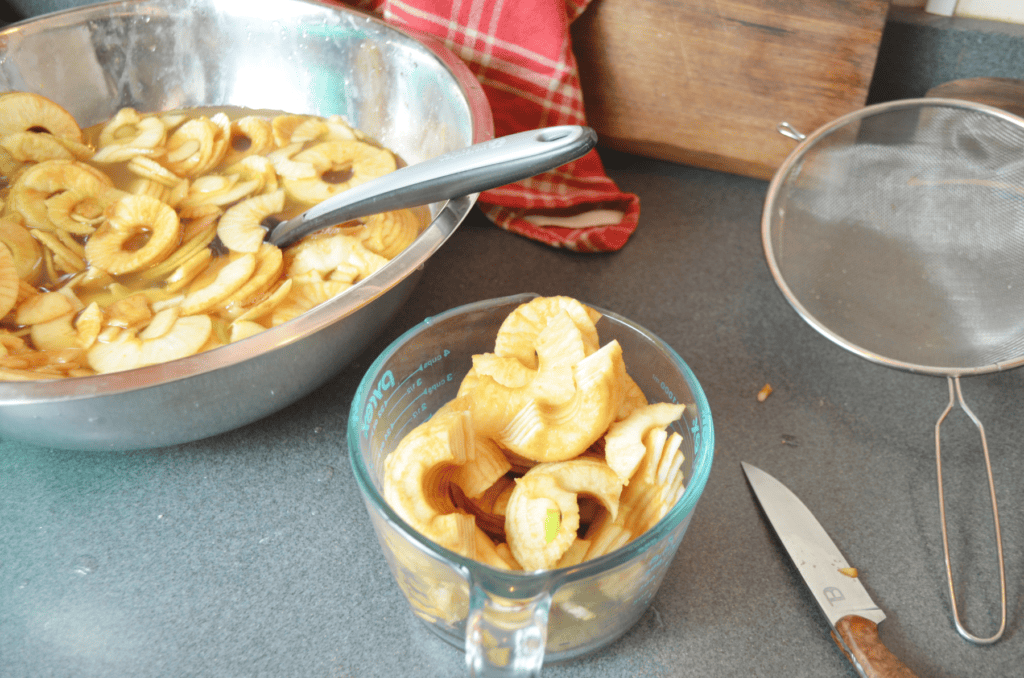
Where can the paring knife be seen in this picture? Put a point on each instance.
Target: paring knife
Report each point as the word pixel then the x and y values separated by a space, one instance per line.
pixel 851 613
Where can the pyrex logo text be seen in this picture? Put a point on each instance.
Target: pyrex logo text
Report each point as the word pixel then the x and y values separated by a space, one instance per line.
pixel 384 384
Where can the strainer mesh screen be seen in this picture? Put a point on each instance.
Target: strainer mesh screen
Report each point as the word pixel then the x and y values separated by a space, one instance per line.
pixel 900 233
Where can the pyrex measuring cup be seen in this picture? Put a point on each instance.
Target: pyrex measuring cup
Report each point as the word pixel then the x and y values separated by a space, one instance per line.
pixel 509 623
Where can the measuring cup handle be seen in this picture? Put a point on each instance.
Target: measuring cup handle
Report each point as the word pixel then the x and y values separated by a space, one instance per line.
pixel 505 637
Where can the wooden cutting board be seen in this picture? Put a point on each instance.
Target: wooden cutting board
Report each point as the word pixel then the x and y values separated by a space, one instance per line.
pixel 706 82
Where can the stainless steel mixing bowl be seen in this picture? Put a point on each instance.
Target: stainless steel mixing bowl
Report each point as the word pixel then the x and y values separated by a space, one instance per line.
pixel 303 57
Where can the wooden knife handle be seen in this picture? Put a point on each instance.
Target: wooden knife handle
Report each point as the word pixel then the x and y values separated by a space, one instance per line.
pixel 862 646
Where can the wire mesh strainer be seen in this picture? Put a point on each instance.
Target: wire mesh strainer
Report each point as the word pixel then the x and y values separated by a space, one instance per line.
pixel 897 231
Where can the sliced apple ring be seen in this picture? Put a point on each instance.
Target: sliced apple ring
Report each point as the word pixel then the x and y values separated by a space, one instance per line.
pixel 518 334
pixel 549 491
pixel 413 472
pixel 624 442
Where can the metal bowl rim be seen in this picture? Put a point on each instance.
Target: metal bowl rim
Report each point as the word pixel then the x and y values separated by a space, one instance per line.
pixel 449 217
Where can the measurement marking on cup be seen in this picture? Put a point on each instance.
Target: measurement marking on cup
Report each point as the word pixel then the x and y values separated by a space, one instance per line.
pixel 412 375
pixel 433 361
pixel 384 385
pixel 391 426
pixel 433 387
pixel 666 389
pixel 390 397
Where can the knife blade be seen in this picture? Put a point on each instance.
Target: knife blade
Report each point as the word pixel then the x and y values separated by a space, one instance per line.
pixel 836 587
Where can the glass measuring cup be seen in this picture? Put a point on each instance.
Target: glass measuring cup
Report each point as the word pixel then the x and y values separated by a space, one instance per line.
pixel 509 623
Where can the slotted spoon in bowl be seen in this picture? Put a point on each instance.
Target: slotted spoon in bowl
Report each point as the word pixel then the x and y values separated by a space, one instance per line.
pixel 465 171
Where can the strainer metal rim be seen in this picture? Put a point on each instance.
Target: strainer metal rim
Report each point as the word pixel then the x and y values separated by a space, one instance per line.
pixel 778 181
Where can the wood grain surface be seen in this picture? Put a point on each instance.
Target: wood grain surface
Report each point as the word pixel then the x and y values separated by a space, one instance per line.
pixel 862 646
pixel 1004 93
pixel 706 82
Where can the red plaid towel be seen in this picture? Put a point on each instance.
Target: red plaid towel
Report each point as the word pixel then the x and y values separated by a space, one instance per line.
pixel 521 53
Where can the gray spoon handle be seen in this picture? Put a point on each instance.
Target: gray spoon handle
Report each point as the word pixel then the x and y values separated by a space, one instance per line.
pixel 476 168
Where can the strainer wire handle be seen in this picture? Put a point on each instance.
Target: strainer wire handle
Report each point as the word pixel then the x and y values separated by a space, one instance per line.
pixel 956 396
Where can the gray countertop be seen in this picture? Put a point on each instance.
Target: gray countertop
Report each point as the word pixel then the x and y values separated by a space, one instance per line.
pixel 251 553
